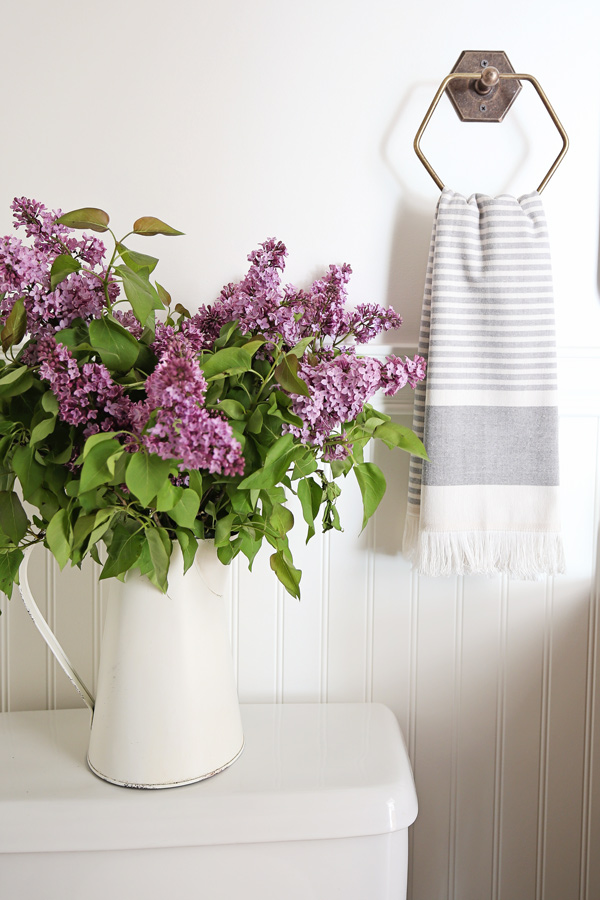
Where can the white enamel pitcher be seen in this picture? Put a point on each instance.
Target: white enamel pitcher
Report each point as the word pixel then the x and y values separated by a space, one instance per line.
pixel 166 711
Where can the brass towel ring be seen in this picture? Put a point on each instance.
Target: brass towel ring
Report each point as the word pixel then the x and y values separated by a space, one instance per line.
pixel 481 85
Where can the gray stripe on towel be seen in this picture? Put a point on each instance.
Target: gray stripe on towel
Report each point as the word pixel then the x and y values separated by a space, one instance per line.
pixel 491 445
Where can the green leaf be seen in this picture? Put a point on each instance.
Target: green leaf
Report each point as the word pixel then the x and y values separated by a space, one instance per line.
pixel 255 422
pixel 281 520
pixel 13 518
pixel 142 296
pixel 229 360
pixel 182 310
pixel 123 551
pixel 286 375
pixel 137 261
pixel 195 482
pixel 117 347
pixel 168 496
pixel 10 562
pixel 15 382
pixel 50 403
pixel 163 294
pixel 189 546
pixel 29 472
pixel 13 376
pixel 232 408
pixel 42 429
pixel 102 523
pixel 395 435
pixel 300 348
pixel 310 494
pixel 287 574
pixel 371 482
pixel 98 438
pixel 149 225
pixel 63 266
pixel 87 217
pixel 185 512
pixel 146 475
pixel 277 461
pixel 223 529
pixel 58 537
pixel 15 325
pixel 95 471
pixel 159 557
pixel 252 346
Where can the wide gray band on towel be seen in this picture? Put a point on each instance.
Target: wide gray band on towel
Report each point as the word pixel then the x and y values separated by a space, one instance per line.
pixel 487 499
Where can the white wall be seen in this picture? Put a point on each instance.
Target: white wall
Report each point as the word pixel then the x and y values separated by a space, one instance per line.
pixel 236 121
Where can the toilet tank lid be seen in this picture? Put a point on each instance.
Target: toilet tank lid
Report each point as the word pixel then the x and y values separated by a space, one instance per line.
pixel 308 771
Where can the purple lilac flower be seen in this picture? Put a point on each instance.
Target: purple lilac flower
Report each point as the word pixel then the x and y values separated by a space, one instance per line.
pixel 261 304
pixel 79 296
pixel 25 271
pixel 86 396
pixel 51 237
pixel 336 450
pixel 256 302
pixel 325 305
pixel 339 388
pixel 397 372
pixel 128 320
pixel 174 425
pixel 370 319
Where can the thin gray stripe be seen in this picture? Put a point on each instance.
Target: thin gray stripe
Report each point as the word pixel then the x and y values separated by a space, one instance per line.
pixel 475 318
pixel 460 343
pixel 485 234
pixel 466 290
pixel 501 354
pixel 494 215
pixel 488 309
pixel 542 251
pixel 496 300
pixel 489 387
pixel 506 279
pixel 434 367
pixel 484 322
pixel 488 257
pixel 493 232
pixel 486 332
pixel 525 377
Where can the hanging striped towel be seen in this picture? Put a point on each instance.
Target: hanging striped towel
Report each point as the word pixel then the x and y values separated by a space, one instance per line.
pixel 487 501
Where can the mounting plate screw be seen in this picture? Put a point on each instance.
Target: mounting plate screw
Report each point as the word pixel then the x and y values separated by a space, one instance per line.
pixel 482 107
pixel 484 63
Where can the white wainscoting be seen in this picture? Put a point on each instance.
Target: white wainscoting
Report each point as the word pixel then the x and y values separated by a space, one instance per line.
pixel 494 682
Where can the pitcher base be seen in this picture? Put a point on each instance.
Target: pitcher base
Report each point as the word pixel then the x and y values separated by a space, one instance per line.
pixel 166 784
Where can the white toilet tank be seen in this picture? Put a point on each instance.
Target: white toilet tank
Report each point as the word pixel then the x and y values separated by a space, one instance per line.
pixel 317 807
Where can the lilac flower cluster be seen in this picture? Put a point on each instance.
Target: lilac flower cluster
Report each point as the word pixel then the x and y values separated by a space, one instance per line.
pixel 25 271
pixel 86 396
pixel 52 238
pixel 339 389
pixel 173 423
pixel 395 373
pixel 260 303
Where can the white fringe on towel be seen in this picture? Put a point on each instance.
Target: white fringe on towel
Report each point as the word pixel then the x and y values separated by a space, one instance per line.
pixel 487 501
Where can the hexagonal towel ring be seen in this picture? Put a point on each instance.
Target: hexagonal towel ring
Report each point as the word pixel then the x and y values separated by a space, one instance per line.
pixel 484 82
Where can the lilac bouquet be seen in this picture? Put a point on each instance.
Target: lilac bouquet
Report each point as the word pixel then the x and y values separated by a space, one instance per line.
pixel 125 419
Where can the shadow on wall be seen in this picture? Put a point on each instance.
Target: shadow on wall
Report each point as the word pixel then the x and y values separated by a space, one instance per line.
pixel 408 265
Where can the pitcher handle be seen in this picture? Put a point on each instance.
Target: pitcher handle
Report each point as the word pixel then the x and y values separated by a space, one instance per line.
pixel 47 633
